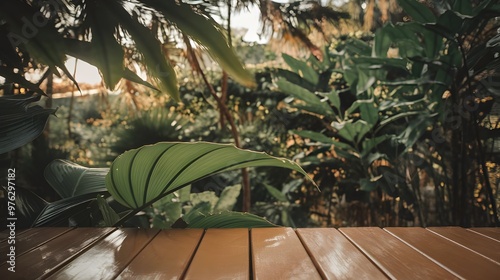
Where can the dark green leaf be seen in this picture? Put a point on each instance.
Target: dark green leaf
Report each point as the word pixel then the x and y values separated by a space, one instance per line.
pixel 69 179
pixel 302 68
pixel 418 11
pixel 312 104
pixel 277 194
pixel 20 124
pixel 57 213
pixel 108 214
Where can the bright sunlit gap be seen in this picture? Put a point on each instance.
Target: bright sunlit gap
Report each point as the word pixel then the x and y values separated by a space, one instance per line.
pixel 85 73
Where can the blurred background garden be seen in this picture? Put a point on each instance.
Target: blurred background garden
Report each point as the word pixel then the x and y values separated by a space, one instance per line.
pixel 391 107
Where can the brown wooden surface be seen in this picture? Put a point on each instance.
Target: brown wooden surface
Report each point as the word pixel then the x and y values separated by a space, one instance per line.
pixel 224 253
pixel 264 253
pixel 43 259
pixel 478 243
pixel 337 257
pixel 395 258
pixel 30 240
pixel 489 232
pixel 167 256
pixel 108 257
pixel 277 253
pixel 468 264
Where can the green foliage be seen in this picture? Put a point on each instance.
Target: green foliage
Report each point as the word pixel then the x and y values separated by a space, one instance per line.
pixel 396 93
pixel 33 30
pixel 21 121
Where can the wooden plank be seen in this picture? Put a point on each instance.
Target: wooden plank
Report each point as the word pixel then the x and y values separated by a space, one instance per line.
pixel 108 257
pixel 492 232
pixel 46 258
pixel 277 253
pixel 393 257
pixel 222 254
pixel 165 257
pixel 4 234
pixel 31 239
pixel 481 244
pixel 335 256
pixel 466 264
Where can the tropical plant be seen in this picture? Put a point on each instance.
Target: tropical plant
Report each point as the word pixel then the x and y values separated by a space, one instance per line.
pixel 39 32
pixel 142 177
pixel 412 100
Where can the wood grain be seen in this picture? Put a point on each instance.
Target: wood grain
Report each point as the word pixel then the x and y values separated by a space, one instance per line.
pixel 465 263
pixel 31 239
pixel 335 256
pixel 108 257
pixel 478 243
pixel 222 254
pixel 277 253
pixel 491 232
pixel 48 257
pixel 167 256
pixel 395 258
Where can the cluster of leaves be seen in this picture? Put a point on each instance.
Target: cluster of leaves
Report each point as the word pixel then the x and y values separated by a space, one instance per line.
pixel 39 33
pixel 389 107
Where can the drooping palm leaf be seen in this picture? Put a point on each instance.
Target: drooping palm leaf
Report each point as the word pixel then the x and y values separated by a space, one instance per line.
pixel 154 59
pixel 205 31
pixel 141 176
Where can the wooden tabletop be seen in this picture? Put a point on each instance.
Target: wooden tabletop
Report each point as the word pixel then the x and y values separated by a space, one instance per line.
pixel 261 253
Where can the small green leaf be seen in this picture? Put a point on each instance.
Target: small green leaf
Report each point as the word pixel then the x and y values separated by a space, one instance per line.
pixel 312 102
pixel 276 193
pixel 382 42
pixel 315 136
pixel 463 6
pixel 418 11
pixel 108 214
pixel 302 68
pixel 227 198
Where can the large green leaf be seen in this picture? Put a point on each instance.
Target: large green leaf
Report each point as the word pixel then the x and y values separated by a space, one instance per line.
pixel 141 176
pixel 207 32
pixel 229 220
pixel 69 179
pixel 19 123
